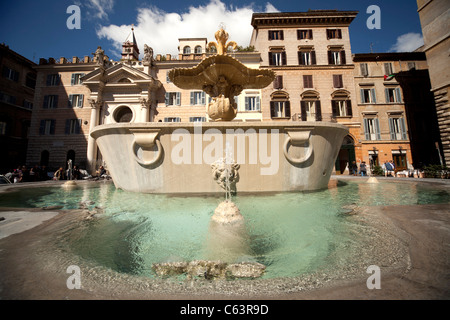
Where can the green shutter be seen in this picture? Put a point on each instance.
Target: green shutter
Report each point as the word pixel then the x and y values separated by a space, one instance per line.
pixel 391 128
pixel 178 98
pixel 70 101
pixel 366 129
pixel 398 95
pixel 403 129
pixel 377 128
pixel 192 98
pixel 374 97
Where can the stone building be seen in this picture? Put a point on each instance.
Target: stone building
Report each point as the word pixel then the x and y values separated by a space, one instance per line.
pixel 317 79
pixel 435 18
pixel 17 86
pixel 311 54
pixel 395 109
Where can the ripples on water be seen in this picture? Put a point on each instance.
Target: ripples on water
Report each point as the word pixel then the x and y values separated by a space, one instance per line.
pixel 290 233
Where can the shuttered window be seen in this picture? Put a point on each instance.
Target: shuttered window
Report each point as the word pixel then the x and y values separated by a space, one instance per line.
pixel 337 81
pixel 308 81
pixel 47 127
pixel 306 58
pixel 73 126
pixel 276 35
pixel 173 98
pixel 278 82
pixel 304 34
pixel 277 58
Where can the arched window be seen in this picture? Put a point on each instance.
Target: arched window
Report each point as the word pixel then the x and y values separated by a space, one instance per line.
pixel 280 106
pixel 310 106
pixel 198 50
pixel 341 105
pixel 187 50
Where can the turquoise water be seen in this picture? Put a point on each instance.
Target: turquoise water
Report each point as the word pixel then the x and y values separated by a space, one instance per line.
pixel 290 233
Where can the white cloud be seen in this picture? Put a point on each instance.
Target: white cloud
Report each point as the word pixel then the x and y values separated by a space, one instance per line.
pixel 161 30
pixel 99 8
pixel 408 42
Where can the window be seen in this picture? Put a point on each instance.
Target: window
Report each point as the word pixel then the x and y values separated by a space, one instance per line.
pixel 198 50
pixel 7 98
pixel 368 96
pixel 123 114
pixel 337 81
pixel 308 81
pixel 372 129
pixel 311 110
pixel 76 78
pixel 393 95
pixel 388 68
pixel 278 83
pixel 27 104
pixel 304 34
pixel 173 98
pixel 277 58
pixel 397 129
pixel 75 100
pixel 47 127
pixel 307 58
pixel 364 69
pixel 197 98
pixel 195 119
pixel 411 65
pixel 30 80
pixel 280 109
pixel 10 74
pixel 280 106
pixel 252 104
pixel 2 128
pixel 336 57
pixel 172 119
pixel 167 77
pixel 341 108
pixel 50 102
pixel 187 50
pixel 73 126
pixel 334 34
pixel 276 35
pixel 53 79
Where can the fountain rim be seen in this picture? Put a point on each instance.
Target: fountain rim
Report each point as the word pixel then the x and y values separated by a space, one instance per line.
pixel 96 132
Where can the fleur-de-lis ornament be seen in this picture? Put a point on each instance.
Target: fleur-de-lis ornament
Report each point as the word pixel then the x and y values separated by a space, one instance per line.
pixel 222 44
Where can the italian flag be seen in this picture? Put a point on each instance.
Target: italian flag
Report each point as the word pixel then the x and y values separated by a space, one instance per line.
pixel 389 77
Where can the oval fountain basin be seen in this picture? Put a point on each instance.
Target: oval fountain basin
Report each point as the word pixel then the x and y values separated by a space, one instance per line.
pixel 176 157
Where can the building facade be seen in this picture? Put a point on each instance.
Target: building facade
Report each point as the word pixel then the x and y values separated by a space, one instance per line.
pixel 395 109
pixel 317 79
pixel 17 86
pixel 434 17
pixel 310 53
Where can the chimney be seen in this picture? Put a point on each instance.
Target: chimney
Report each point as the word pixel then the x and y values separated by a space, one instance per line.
pixel 62 60
pixel 75 60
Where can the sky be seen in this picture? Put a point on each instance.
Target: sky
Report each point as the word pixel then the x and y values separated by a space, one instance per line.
pixel 39 29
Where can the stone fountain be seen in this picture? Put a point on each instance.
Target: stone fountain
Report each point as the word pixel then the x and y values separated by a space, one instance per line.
pixel 174 158
pixel 273 156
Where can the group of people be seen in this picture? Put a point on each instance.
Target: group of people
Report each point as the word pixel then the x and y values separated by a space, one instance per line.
pixel 388 168
pixel 23 174
pixel 362 169
pixel 38 173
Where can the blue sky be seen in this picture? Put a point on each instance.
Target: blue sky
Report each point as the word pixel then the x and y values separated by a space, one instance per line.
pixel 38 29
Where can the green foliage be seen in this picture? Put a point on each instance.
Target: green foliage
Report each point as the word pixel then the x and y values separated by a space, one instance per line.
pixel 436 171
pixel 246 49
pixel 377 171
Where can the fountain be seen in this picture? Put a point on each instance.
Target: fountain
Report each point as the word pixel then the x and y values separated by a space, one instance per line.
pixel 170 158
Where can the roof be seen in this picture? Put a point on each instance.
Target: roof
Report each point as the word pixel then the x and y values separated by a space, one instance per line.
pixel 311 17
pixel 388 56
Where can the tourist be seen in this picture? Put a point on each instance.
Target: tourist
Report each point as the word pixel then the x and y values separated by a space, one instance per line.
pixel 388 168
pixel 363 169
pixel 59 174
pixel 354 168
